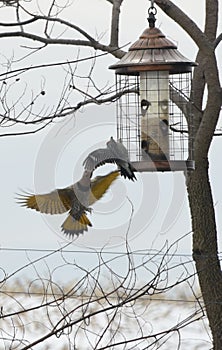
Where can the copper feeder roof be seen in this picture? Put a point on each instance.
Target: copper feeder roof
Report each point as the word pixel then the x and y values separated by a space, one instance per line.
pixel 152 51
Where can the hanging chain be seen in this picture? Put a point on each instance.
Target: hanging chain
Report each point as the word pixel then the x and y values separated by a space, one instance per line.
pixel 152 8
pixel 152 11
pixel 152 3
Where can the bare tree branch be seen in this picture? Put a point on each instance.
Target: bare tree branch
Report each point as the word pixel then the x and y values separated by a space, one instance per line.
pixel 114 40
pixel 64 112
pixel 187 24
pixel 75 42
pixel 76 309
pixel 218 40
pixel 14 72
pixel 211 19
pixel 16 24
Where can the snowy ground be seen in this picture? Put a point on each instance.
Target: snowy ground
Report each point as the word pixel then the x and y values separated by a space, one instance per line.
pixel 158 316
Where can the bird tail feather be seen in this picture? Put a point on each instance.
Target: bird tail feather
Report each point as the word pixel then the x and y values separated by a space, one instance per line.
pixel 73 227
pixel 128 173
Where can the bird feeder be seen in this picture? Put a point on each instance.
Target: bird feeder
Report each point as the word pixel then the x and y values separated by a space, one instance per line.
pixel 154 111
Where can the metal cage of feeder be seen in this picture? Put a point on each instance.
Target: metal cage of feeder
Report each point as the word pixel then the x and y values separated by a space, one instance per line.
pixel 154 111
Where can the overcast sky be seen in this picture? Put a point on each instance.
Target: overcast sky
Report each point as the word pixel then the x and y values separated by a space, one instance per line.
pixel 53 157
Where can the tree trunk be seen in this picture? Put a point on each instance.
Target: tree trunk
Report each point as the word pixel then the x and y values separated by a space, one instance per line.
pixel 205 252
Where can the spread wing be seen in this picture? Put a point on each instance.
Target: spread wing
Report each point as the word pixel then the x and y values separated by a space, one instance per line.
pixel 100 185
pixel 118 149
pixel 122 158
pixel 98 157
pixel 55 202
pixel 73 227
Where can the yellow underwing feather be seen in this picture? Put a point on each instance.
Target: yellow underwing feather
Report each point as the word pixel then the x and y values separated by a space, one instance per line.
pixel 100 185
pixel 55 202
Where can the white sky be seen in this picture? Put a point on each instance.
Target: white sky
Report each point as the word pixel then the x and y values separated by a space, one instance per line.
pixel 53 157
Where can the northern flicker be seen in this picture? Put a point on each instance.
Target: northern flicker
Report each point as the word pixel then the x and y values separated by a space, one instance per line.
pixel 76 199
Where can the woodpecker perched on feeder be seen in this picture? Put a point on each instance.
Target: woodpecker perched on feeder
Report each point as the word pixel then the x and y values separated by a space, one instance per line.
pixel 115 152
pixel 76 199
pixel 145 104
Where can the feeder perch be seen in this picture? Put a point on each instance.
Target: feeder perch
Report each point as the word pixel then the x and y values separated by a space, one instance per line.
pixel 154 112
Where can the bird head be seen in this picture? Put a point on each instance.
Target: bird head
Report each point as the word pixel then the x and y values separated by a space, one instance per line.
pixel 110 141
